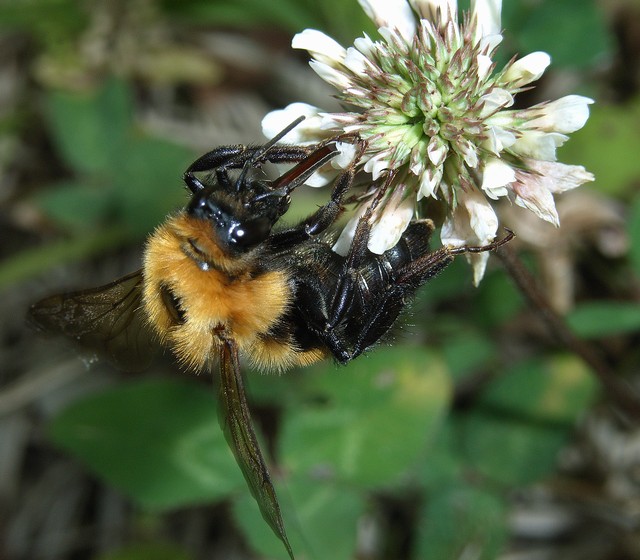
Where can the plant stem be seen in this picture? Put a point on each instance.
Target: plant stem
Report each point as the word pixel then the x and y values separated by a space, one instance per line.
pixel 617 388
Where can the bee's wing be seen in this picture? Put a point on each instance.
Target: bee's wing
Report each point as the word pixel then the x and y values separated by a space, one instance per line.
pixel 236 422
pixel 107 320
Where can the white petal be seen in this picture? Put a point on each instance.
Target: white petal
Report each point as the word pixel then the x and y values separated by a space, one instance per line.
pixel 377 165
pixel 526 70
pixel 321 178
pixel 489 43
pixel 533 195
pixel 436 11
pixel 565 115
pixel 494 101
pixel 538 145
pixel 320 46
pixel 392 14
pixel 346 154
pixel 486 14
pixel 365 45
pixel 341 246
pixel 468 151
pixel 390 226
pixel 485 64
pixel 559 177
pixel 429 181
pixel 473 223
pixel 534 189
pixel 308 131
pixel 437 150
pixel 498 139
pixel 331 75
pixel 356 61
pixel 496 175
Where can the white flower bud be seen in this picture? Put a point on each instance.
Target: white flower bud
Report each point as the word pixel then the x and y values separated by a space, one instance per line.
pixel 308 131
pixel 496 175
pixel 486 14
pixel 322 47
pixel 392 14
pixel 526 70
pixel 565 115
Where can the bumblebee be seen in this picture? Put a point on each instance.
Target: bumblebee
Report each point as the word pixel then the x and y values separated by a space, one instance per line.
pixel 219 282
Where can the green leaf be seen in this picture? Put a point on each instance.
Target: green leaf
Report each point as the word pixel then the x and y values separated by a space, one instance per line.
pixel 157 441
pixel 147 183
pixel 78 206
pixel 597 319
pixel 497 301
pixel 514 434
pixel 573 32
pixel 147 551
pixel 126 177
pixel 367 423
pixel 442 466
pixel 467 350
pixel 460 522
pixel 321 520
pixel 91 128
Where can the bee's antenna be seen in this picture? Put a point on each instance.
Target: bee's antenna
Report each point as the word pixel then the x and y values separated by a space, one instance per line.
pixel 264 149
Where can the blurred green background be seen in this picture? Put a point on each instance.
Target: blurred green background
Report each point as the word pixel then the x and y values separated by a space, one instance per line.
pixel 475 435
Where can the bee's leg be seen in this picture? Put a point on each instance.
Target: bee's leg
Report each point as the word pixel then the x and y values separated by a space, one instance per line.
pixel 326 215
pixel 379 318
pixel 376 319
pixel 234 157
pixel 355 260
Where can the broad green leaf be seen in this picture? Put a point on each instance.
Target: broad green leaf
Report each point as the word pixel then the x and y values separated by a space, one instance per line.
pixel 597 319
pixel 157 441
pixel 321 519
pixel 367 423
pixel 462 522
pixel 573 32
pixel 515 432
pixel 442 465
pixel 77 206
pixel 147 551
pixel 91 128
pixel 125 176
pixel 148 183
pixel 497 300
pixel 467 350
pixel 510 451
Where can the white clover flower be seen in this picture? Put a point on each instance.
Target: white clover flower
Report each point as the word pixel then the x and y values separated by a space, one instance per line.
pixel 431 105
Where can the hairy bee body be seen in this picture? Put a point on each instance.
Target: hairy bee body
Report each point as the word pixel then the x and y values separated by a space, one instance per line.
pixel 191 294
pixel 219 281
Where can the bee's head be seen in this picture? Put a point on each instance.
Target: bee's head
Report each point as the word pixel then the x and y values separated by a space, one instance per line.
pixel 240 220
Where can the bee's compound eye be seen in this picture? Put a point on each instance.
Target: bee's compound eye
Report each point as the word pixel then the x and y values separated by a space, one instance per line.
pixel 249 233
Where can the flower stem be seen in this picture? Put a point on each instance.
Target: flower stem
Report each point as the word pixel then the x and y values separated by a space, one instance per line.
pixel 617 388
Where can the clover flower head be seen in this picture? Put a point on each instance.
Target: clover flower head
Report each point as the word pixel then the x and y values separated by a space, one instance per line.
pixel 431 105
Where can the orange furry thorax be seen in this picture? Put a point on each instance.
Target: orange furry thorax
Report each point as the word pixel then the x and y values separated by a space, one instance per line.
pixel 214 291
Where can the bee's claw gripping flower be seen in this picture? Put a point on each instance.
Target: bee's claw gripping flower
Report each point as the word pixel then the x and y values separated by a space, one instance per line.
pixel 431 106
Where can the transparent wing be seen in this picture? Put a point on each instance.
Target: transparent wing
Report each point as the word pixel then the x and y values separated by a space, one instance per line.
pixel 236 422
pixel 107 320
